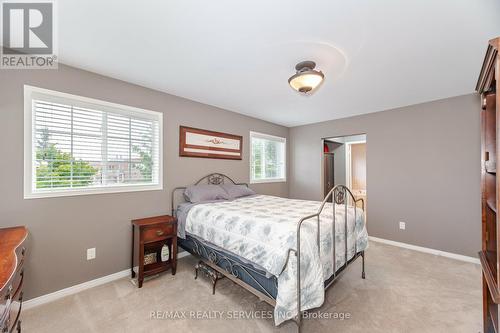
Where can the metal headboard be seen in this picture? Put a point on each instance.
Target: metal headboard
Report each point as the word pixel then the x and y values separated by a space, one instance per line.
pixel 211 179
pixel 341 193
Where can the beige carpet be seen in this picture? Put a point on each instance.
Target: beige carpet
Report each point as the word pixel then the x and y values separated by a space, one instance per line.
pixel 404 291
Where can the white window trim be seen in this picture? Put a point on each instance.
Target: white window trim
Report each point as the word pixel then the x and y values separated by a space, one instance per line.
pixel 269 137
pixel 29 150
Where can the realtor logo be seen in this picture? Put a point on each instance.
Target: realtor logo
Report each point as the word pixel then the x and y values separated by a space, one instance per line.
pixel 28 35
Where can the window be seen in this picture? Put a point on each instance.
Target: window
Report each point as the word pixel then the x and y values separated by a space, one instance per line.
pixel 267 158
pixel 76 145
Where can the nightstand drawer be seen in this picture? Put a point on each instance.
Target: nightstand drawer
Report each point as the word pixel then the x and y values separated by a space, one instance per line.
pixel 158 232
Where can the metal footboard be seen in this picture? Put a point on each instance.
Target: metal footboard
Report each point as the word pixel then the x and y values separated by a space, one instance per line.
pixel 340 195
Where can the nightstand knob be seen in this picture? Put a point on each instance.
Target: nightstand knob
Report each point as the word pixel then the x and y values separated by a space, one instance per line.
pixel 159 232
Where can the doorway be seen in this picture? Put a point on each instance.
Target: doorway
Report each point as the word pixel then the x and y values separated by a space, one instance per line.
pixel 344 163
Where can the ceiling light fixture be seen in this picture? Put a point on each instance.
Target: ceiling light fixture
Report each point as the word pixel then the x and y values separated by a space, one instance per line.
pixel 306 79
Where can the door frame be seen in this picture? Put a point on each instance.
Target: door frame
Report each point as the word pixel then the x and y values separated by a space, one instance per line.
pixel 322 157
pixel 348 161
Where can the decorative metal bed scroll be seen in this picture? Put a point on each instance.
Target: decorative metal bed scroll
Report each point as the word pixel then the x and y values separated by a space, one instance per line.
pixel 234 270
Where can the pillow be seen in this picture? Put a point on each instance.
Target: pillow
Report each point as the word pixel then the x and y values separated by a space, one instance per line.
pixel 237 191
pixel 199 193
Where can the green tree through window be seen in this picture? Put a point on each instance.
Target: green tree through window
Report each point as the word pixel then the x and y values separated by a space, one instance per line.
pixel 146 165
pixel 271 160
pixel 58 169
pixel 267 157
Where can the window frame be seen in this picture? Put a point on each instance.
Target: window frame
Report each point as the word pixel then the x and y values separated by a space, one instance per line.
pixel 30 191
pixel 264 136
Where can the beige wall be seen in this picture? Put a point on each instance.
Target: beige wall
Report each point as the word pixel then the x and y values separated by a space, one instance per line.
pixel 422 168
pixel 61 229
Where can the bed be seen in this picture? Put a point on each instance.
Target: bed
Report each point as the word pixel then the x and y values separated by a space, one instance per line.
pixel 265 243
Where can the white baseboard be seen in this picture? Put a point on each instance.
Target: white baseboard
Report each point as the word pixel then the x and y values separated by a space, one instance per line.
pixel 81 287
pixel 426 250
pixel 74 289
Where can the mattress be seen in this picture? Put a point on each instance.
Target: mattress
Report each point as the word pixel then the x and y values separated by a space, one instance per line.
pixel 261 230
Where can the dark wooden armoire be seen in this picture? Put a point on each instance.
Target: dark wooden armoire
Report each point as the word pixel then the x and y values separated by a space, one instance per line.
pixel 487 86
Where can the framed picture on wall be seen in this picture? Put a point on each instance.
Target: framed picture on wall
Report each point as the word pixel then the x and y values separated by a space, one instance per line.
pixel 195 142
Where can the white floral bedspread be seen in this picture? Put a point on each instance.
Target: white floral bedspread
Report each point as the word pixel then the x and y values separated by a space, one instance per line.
pixel 261 229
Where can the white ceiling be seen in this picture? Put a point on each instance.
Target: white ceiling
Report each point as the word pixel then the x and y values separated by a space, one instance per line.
pixel 238 55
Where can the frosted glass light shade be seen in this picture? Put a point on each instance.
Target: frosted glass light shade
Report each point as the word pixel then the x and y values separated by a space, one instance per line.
pixel 306 81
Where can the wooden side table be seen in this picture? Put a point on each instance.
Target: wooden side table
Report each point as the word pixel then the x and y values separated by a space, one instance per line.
pixel 149 235
pixel 12 257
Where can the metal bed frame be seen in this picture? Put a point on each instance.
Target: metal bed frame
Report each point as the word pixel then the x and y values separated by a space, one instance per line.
pixel 233 269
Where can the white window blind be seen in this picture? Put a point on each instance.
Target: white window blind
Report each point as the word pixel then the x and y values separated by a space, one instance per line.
pixel 82 146
pixel 267 158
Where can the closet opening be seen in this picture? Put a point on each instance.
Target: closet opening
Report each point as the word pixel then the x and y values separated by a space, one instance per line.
pixel 344 163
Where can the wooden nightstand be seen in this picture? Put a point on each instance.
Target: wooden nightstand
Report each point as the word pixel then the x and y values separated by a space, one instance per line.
pixel 148 237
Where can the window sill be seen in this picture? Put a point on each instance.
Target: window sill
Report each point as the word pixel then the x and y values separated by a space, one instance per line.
pixel 263 181
pixel 92 191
